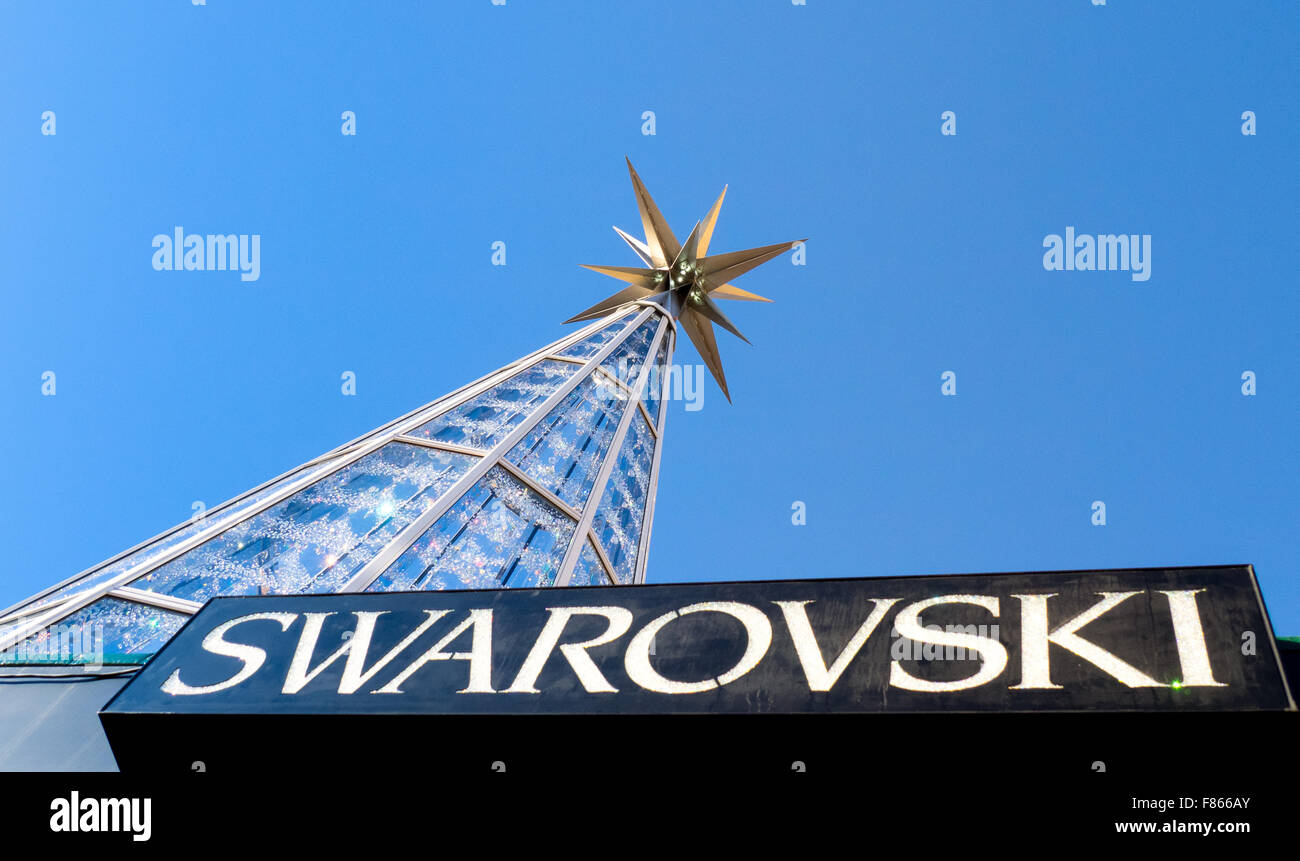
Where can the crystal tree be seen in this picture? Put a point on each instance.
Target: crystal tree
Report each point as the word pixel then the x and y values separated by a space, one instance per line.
pixel 542 473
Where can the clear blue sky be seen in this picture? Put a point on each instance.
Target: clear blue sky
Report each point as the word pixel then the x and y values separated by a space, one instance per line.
pixel 478 123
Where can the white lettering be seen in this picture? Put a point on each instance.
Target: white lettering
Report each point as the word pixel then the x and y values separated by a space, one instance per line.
pixel 758 631
pixel 215 642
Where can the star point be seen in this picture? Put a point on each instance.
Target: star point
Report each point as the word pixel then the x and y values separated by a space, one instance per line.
pixel 683 277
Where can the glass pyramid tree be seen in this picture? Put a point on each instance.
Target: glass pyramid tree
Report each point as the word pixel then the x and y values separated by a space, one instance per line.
pixel 542 473
pixel 539 474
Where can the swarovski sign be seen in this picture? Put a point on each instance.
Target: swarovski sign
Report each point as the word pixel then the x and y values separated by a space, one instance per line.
pixel 1154 639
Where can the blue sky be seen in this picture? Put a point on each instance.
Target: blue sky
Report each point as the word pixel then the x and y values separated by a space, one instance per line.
pixel 478 123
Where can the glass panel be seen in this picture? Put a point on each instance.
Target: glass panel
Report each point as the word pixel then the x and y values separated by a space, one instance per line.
pixel 18 620
pixel 655 380
pixel 499 533
pixel 588 571
pixel 109 631
pixel 487 418
pixel 628 357
pixel 590 346
pixel 317 539
pixel 618 519
pixel 564 451
pixel 14 624
pixel 212 523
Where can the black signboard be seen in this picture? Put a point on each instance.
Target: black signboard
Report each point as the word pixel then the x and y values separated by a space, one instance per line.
pixel 1158 639
pixel 1057 671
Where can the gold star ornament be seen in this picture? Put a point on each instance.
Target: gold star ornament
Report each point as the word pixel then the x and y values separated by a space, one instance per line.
pixel 684 278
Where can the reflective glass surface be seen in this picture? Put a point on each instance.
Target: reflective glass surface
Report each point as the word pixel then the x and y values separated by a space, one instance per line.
pixel 651 394
pixel 487 418
pixel 109 631
pixel 627 358
pixel 14 623
pixel 588 571
pixel 590 346
pixel 564 451
pixel 499 533
pixel 617 524
pixel 317 539
pixel 212 523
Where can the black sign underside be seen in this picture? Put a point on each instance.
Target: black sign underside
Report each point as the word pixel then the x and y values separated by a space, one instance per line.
pixel 1190 639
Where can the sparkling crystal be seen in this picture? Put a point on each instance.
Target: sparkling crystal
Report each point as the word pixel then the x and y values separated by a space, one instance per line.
pixel 317 539
pixel 489 417
pixel 588 571
pixel 626 359
pixel 500 533
pixel 651 394
pixel 109 631
pixel 564 451
pixel 212 523
pixel 590 346
pixel 617 523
